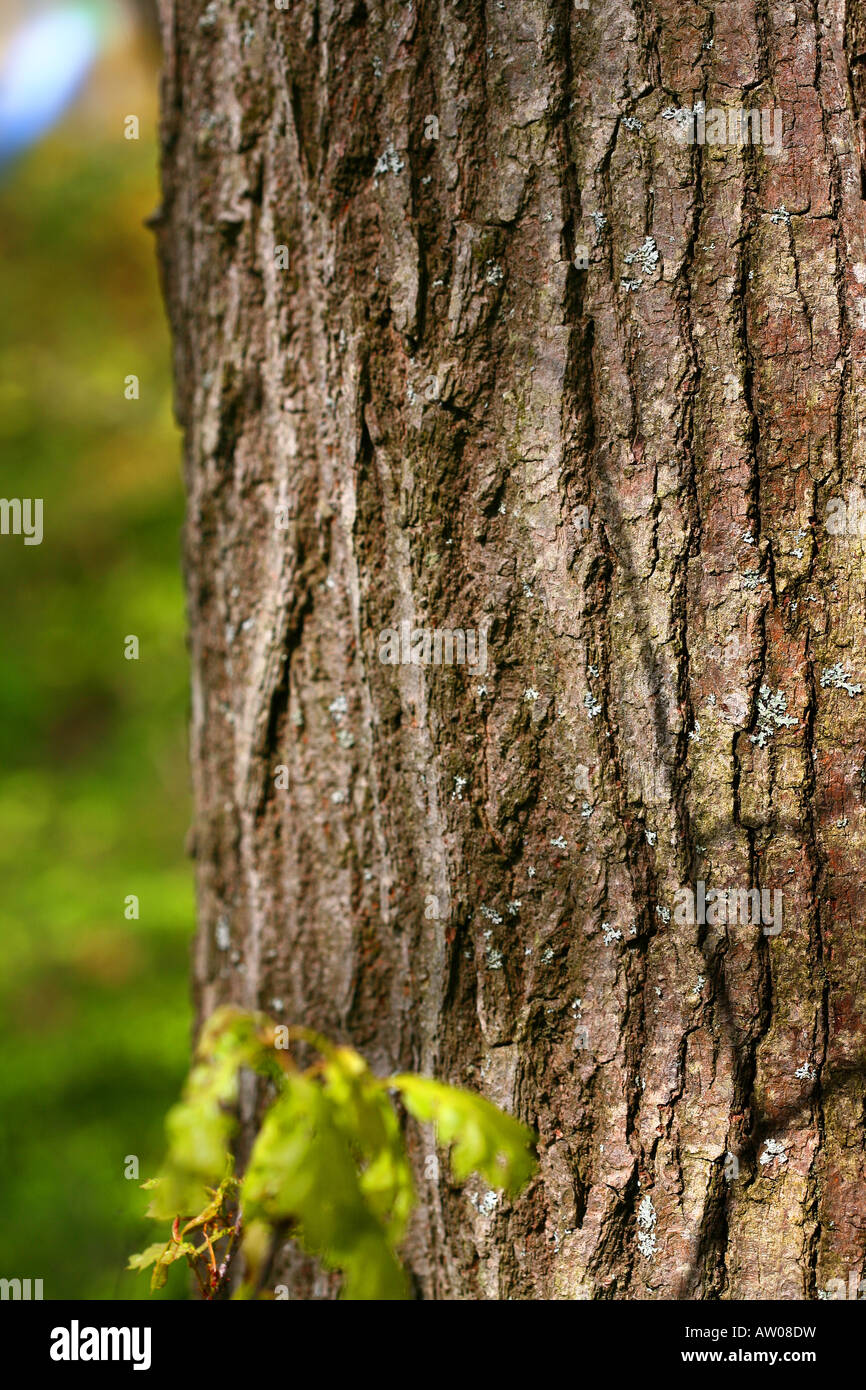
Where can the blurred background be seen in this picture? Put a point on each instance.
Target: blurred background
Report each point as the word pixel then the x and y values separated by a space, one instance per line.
pixel 94 1011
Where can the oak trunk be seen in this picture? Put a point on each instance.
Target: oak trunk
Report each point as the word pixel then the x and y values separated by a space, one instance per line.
pixel 487 324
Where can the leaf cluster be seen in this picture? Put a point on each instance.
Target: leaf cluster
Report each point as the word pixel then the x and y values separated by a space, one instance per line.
pixel 328 1167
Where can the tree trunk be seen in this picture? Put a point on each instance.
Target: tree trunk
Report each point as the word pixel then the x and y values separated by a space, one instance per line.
pixel 480 327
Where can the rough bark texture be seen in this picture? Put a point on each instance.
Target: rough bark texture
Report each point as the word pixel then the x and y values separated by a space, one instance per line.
pixel 475 876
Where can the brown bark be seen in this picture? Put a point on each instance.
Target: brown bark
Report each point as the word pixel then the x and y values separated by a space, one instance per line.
pixel 475 876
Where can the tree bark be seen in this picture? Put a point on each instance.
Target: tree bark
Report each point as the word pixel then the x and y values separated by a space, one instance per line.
pixel 531 364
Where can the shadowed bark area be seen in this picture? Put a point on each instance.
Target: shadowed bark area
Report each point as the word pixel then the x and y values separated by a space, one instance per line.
pixel 480 325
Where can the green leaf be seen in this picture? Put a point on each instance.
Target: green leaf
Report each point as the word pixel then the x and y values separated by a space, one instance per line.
pixel 200 1128
pixel 148 1256
pixel 485 1139
pixel 302 1171
pixel 160 1256
pixel 365 1116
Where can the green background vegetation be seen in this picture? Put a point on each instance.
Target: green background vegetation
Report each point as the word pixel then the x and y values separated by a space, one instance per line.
pixel 94 1009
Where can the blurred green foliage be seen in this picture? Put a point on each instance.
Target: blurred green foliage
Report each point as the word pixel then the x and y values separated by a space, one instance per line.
pixel 328 1164
pixel 94 1009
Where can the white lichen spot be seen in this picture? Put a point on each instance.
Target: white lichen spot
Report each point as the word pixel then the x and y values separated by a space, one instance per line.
pixel 591 705
pixel 490 914
pixel 514 907
pixel 486 1204
pixel 664 913
pixel 773 1149
pixel 750 580
pixel 530 694
pixel 781 215
pixel 838 678
pixel 646 1223
pixel 651 837
pixel 646 256
pixel 630 286
pixel 806 1072
pixel 610 934
pixel 599 220
pixel 632 123
pixel 494 274
pixel 459 784
pixel 586 810
pixel 337 708
pixel 559 842
pixel 531 871
pixel 695 733
pixel 677 113
pixel 494 958
pixel 389 162
pixel 771 716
